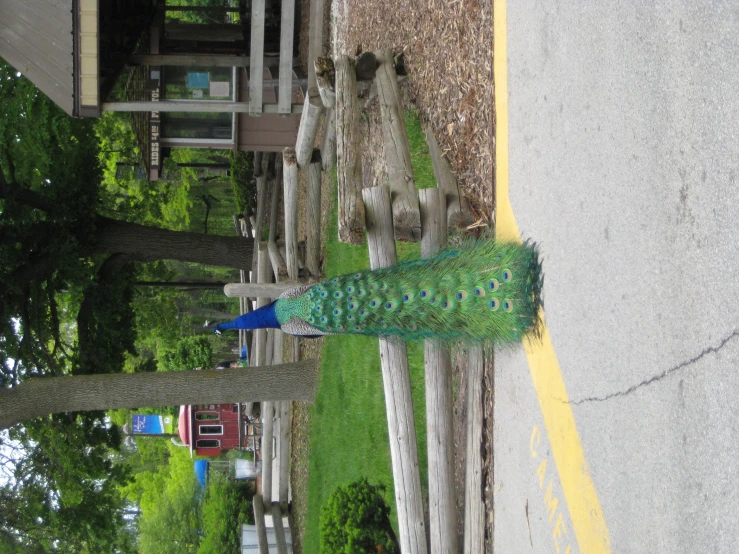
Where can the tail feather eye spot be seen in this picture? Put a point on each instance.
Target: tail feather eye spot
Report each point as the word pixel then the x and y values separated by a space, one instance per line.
pixel 390 305
pixel 373 303
pixel 337 311
pixel 479 291
pixel 362 313
pixel 338 294
pixel 507 275
pixel 352 306
pixel 324 294
pixel 324 319
pixel 407 297
pixel 494 304
pixel 462 295
pixel 424 293
pixel 357 275
pixel 508 305
pixel 447 305
pixel 350 289
pixel 357 329
pixel 493 284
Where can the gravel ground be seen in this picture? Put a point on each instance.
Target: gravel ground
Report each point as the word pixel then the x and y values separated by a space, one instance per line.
pixel 448 54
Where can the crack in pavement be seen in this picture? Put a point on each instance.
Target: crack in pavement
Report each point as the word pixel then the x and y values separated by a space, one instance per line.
pixel 659 377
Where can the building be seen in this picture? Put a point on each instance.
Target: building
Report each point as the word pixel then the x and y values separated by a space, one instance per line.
pixel 211 429
pixel 225 81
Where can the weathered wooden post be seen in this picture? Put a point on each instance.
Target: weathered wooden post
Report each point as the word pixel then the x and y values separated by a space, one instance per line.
pixel 396 381
pixel 290 200
pixel 313 212
pixel 439 410
pixel 348 154
pixel 309 120
pixel 406 213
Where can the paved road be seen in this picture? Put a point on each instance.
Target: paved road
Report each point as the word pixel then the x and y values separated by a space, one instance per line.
pixel 623 144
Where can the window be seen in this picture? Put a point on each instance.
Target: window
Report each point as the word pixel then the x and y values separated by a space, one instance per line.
pixel 197 83
pixel 207 443
pixel 206 416
pixel 210 429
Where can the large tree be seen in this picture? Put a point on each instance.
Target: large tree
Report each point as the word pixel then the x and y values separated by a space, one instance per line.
pixel 48 395
pixel 69 251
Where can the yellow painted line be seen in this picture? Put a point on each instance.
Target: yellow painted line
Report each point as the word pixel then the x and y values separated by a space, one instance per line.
pixel 585 511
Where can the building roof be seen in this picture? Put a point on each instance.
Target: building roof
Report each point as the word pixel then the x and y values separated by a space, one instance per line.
pixel 36 37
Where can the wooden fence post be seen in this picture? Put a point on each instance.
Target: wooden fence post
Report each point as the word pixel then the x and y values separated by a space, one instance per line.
pixel 406 214
pixel 313 223
pixel 309 120
pixel 348 154
pixel 290 200
pixel 396 381
pixel 439 409
pixel 474 506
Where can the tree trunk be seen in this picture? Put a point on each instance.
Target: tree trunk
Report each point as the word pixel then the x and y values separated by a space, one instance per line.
pixel 147 244
pixel 49 395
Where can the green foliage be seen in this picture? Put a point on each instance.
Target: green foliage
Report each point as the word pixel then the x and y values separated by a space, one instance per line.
pixel 356 519
pixel 226 506
pixel 242 181
pixel 191 352
pixel 423 167
pixel 167 494
pixel 63 493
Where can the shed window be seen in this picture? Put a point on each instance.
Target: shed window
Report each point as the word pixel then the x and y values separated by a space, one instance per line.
pixel 207 443
pixel 210 429
pixel 206 416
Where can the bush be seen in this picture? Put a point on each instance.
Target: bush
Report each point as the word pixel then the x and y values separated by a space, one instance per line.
pixel 356 519
pixel 227 504
pixel 191 352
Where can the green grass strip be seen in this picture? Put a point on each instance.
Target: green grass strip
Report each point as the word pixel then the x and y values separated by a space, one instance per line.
pixel 348 423
pixel 423 168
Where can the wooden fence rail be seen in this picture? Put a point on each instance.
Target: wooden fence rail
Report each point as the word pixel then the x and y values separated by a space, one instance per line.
pixel 396 381
pixel 439 408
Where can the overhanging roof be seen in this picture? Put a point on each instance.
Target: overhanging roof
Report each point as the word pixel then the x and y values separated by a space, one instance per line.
pixel 54 43
pixel 36 38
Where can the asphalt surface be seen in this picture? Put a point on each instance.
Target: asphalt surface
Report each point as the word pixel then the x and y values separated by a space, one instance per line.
pixel 623 163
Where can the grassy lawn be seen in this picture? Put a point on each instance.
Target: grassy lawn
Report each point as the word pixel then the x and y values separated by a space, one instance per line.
pixel 348 425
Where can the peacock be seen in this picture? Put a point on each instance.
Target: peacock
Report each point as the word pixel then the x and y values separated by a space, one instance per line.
pixel 480 291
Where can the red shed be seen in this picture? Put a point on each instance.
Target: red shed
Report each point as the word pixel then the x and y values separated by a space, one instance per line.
pixel 209 429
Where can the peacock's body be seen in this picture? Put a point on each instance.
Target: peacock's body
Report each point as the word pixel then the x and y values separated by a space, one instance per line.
pixel 482 291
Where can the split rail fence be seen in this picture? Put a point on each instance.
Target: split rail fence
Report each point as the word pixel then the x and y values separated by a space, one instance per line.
pixel 383 215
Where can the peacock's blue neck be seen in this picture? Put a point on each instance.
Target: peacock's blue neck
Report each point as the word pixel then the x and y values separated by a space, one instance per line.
pixel 262 318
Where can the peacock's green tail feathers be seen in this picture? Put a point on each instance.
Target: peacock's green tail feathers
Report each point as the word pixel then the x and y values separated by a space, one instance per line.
pixel 480 291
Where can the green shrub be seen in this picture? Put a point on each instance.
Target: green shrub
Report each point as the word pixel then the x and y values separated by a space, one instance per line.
pixel 227 504
pixel 356 519
pixel 191 352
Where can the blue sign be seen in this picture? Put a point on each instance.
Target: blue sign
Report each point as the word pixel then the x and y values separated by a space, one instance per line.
pixel 198 80
pixel 150 424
